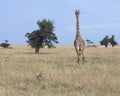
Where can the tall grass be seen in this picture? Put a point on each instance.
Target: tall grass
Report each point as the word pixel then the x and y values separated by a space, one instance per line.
pixel 62 76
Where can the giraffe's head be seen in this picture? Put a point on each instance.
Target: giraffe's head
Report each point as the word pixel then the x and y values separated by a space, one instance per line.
pixel 77 12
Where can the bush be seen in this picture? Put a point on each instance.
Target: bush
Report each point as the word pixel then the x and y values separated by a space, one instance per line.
pixel 5 44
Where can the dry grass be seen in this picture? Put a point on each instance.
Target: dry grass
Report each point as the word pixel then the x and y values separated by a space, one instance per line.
pixel 62 76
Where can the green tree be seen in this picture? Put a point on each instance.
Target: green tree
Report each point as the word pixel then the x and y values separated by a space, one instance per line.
pixel 105 41
pixel 5 44
pixel 44 36
pixel 112 41
pixel 89 42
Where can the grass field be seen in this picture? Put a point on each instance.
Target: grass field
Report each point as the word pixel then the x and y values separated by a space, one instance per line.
pixel 62 76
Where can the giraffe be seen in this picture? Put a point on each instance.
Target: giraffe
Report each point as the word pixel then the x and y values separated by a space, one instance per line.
pixel 79 43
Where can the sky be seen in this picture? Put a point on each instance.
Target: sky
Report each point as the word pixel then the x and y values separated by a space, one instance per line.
pixel 98 18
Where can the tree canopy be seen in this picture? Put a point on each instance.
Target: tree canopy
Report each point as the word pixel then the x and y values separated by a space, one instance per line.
pixel 89 42
pixel 5 44
pixel 112 41
pixel 106 41
pixel 44 36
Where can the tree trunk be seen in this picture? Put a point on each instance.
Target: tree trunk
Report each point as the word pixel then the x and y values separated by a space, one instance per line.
pixel 106 45
pixel 36 50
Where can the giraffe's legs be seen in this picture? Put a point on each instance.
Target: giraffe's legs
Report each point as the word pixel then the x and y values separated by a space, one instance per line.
pixel 83 57
pixel 78 54
pixel 78 58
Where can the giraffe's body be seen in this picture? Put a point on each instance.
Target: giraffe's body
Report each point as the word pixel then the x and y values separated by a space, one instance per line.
pixel 79 42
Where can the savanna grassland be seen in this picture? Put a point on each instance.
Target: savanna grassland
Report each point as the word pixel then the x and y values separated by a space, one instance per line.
pixel 61 75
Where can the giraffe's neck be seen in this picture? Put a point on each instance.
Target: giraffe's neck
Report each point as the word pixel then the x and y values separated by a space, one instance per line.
pixel 77 27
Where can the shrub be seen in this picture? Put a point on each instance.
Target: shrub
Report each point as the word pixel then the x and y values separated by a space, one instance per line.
pixel 5 44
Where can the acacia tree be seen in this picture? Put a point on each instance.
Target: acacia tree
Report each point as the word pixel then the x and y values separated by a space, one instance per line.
pixel 44 36
pixel 105 41
pixel 5 44
pixel 112 41
pixel 89 42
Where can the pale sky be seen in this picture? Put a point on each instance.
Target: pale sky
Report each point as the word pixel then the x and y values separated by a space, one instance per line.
pixel 98 18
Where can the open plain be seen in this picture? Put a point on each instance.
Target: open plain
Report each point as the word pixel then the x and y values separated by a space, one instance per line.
pixel 61 75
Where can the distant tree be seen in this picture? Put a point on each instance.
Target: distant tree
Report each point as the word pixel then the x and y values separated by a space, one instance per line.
pixel 89 42
pixel 105 41
pixel 44 36
pixel 112 41
pixel 5 44
pixel 6 41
